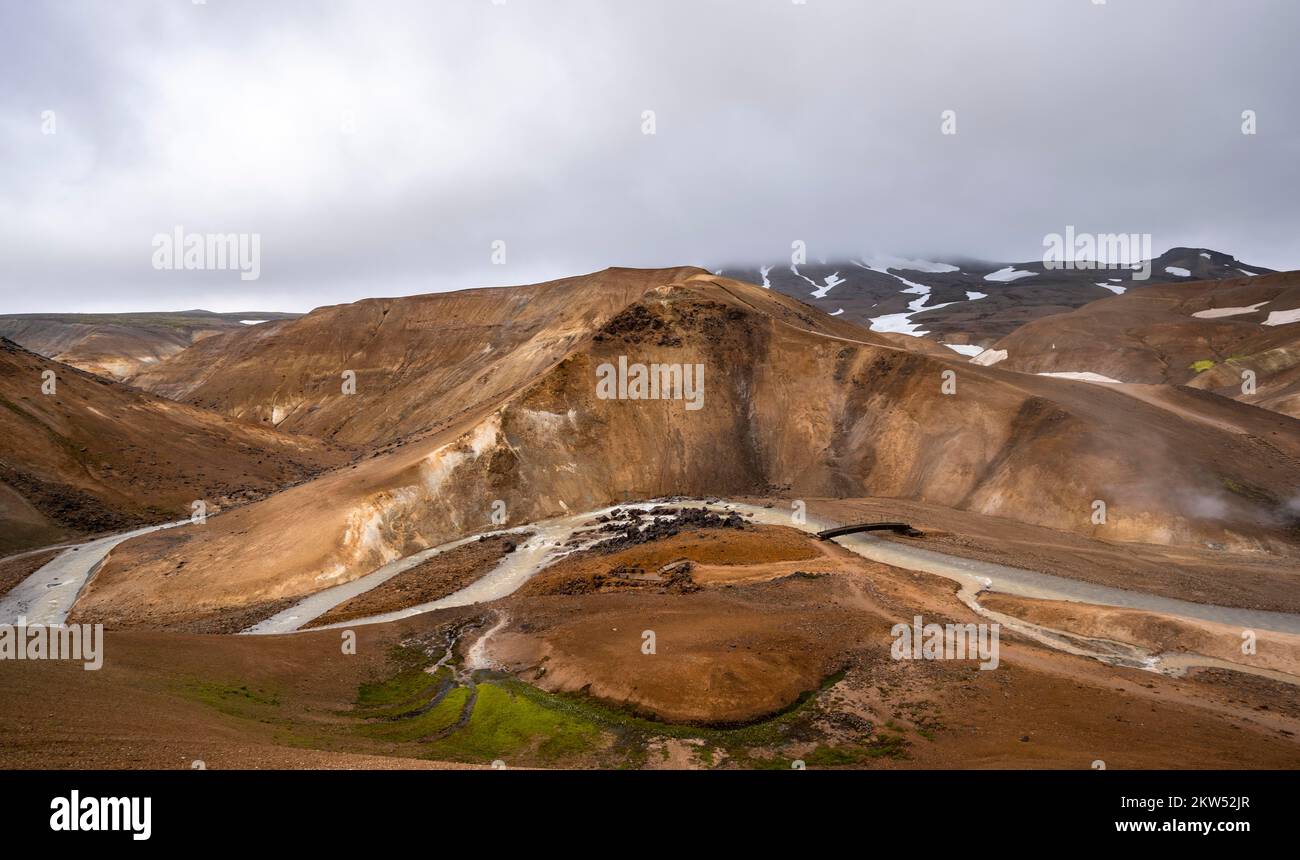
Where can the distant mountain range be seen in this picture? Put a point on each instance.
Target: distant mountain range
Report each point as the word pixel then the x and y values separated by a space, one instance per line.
pixel 120 345
pixel 1238 337
pixel 966 304
pixel 970 303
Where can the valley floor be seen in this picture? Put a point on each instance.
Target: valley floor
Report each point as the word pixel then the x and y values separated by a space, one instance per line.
pixel 769 647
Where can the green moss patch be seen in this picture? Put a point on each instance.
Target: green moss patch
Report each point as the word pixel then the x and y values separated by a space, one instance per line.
pixel 233 698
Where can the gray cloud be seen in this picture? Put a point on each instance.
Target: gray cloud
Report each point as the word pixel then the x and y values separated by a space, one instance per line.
pixel 474 122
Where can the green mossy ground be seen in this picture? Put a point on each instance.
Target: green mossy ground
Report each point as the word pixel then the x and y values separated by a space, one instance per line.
pixel 496 717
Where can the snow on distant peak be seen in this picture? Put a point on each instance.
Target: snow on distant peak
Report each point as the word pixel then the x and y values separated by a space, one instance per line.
pixel 975 297
pixel 1178 271
pixel 902 323
pixel 837 313
pixel 832 281
pixel 820 290
pixel 882 262
pixel 252 322
pixel 1114 288
pixel 912 286
pixel 1010 273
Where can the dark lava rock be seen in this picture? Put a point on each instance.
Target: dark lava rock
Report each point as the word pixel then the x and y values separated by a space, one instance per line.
pixel 626 535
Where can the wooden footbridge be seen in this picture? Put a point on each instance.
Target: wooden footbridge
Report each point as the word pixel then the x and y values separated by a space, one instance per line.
pixel 900 528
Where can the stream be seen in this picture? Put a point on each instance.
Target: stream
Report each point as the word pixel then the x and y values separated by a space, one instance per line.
pixel 47 595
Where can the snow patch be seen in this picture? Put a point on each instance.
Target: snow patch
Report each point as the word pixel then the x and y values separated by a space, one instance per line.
pixel 912 286
pixel 975 297
pixel 1083 376
pixel 989 357
pixel 820 290
pixel 1283 317
pixel 1114 288
pixel 965 348
pixel 832 281
pixel 1214 313
pixel 898 324
pixel 881 262
pixel 902 323
pixel 1010 273
pixel 1178 271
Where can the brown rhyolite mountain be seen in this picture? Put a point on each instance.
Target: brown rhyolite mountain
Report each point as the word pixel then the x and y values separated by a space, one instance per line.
pixel 96 455
pixel 492 395
pixel 418 362
pixel 1206 335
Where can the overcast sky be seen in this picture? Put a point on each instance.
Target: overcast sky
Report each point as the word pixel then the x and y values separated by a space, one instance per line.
pixel 381 147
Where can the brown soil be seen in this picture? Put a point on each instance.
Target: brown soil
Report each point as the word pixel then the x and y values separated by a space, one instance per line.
pixel 715 555
pixel 732 652
pixel 722 653
pixel 15 570
pixel 168 700
pixel 436 578
pixel 23 527
pixel 1249 580
pixel 223 620
pixel 1156 633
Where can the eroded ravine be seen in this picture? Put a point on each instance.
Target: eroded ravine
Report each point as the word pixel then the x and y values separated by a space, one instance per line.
pixel 47 595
